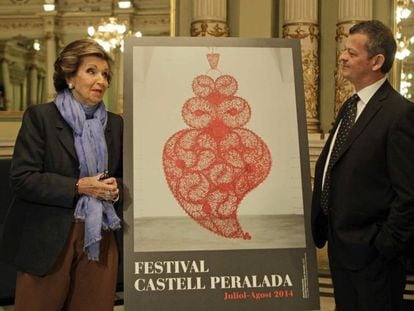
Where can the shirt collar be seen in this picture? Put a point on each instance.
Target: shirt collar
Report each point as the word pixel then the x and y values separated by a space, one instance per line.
pixel 367 92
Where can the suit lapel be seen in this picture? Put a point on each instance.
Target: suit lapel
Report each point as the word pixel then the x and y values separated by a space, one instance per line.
pixel 108 137
pixel 65 136
pixel 325 150
pixel 371 109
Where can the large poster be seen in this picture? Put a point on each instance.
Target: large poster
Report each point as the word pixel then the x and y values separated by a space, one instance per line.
pixel 216 176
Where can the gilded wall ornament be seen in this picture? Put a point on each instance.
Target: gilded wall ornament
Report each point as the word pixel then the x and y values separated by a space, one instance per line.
pixel 19 1
pixel 343 88
pixel 310 77
pixel 302 31
pixel 308 34
pixel 209 29
pixel 25 25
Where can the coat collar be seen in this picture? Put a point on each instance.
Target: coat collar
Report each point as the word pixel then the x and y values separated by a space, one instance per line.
pixel 65 135
pixel 373 106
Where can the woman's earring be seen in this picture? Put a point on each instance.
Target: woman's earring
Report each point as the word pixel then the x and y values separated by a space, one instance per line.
pixel 71 87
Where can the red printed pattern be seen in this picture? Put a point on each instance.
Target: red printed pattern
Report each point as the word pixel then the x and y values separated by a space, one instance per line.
pixel 214 164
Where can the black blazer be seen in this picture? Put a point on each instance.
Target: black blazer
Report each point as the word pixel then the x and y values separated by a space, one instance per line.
pixel 372 189
pixel 43 175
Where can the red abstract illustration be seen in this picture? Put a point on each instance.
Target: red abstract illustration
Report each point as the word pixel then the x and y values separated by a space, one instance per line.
pixel 214 163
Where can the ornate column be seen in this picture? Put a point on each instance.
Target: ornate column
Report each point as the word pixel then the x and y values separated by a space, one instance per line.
pixel 301 22
pixel 41 86
pixel 8 88
pixel 24 100
pixel 50 42
pixel 50 61
pixel 209 18
pixel 350 12
pixel 33 84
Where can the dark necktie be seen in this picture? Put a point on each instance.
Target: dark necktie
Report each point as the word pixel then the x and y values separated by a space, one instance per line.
pixel 347 122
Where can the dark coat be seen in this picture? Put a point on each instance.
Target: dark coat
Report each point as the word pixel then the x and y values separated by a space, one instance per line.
pixel 372 190
pixel 43 175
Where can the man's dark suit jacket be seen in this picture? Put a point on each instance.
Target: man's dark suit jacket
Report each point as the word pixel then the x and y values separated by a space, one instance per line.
pixel 43 175
pixel 372 190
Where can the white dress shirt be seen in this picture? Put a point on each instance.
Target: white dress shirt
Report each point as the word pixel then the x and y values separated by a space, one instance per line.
pixel 364 96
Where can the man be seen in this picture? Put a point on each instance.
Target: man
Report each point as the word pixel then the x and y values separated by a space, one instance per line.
pixel 363 201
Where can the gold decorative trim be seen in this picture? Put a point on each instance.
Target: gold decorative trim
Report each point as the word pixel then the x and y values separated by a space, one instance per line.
pixel 6 145
pixel 173 14
pixel 341 33
pixel 208 21
pixel 10 115
pixel 209 28
pixel 350 22
pixel 19 1
pixel 343 88
pixel 308 33
pixel 29 25
pixel 299 33
pixel 300 24
pixel 310 79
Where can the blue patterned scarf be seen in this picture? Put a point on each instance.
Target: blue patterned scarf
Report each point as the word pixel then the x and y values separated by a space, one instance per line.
pixel 91 149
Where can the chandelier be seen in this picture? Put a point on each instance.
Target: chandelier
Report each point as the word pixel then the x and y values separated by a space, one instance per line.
pixel 404 41
pixel 402 12
pixel 110 33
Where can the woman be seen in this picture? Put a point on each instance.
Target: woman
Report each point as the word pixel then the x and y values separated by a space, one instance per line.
pixel 59 231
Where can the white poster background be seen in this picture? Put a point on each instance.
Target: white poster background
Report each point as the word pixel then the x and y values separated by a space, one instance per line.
pixel 158 81
pixel 265 79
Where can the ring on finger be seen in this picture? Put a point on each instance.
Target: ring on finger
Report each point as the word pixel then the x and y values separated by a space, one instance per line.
pixel 107 195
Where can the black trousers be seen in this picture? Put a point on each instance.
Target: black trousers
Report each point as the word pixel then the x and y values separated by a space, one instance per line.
pixel 378 286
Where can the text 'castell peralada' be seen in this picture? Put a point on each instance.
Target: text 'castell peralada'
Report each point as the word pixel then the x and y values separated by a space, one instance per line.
pixel 195 275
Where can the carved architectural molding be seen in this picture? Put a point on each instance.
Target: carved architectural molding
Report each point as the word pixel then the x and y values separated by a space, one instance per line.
pixel 305 11
pixel 343 88
pixel 209 18
pixel 350 12
pixel 158 24
pixel 209 29
pixel 31 28
pixel 354 10
pixel 300 22
pixel 6 147
pixel 19 1
pixel 53 30
pixel 17 58
pixel 151 17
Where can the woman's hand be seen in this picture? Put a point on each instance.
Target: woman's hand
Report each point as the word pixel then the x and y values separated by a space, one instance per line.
pixel 101 189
